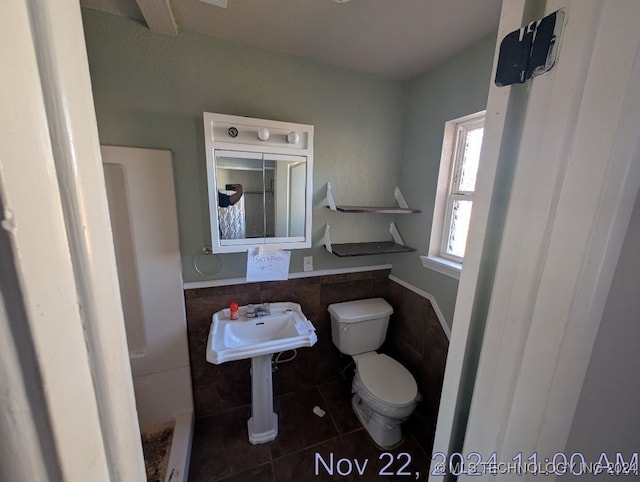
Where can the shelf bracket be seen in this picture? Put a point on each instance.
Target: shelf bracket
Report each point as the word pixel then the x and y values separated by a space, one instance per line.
pixel 330 200
pixel 395 234
pixel 327 236
pixel 400 198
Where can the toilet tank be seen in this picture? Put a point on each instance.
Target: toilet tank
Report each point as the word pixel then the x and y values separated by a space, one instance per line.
pixel 359 326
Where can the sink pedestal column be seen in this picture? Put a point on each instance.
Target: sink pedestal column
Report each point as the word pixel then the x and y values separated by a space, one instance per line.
pixel 263 424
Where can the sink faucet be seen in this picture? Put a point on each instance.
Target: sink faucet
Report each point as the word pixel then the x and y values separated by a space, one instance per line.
pixel 257 311
pixel 263 310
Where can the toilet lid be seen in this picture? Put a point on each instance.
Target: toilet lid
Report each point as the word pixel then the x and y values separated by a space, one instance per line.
pixel 387 380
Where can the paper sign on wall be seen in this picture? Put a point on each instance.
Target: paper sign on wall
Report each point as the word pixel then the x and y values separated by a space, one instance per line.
pixel 267 265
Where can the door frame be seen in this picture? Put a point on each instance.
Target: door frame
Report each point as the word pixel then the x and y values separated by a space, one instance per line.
pixel 71 414
pixel 543 246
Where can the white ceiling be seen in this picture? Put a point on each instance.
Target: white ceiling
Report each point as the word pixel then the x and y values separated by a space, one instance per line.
pixel 398 39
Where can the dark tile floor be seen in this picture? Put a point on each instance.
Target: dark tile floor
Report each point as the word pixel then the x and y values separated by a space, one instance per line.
pixel 308 447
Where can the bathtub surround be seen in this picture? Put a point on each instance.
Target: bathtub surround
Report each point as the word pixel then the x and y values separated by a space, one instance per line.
pixel 415 338
pixel 145 236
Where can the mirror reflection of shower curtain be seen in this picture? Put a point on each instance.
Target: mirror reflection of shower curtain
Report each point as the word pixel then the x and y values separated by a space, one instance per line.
pixel 269 212
pixel 232 221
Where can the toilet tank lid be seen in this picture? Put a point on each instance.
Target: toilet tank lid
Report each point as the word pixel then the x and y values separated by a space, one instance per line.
pixel 360 310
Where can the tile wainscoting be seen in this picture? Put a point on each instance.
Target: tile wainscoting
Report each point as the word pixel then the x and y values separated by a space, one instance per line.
pixel 415 338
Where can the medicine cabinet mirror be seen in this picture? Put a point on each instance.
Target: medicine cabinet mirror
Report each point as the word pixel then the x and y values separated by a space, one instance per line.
pixel 259 175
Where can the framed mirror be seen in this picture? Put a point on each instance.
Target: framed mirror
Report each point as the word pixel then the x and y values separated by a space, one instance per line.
pixel 259 179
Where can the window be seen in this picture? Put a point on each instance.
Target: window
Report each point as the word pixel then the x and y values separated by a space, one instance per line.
pixel 456 185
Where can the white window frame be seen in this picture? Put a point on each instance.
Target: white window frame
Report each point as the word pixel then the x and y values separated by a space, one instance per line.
pixel 450 163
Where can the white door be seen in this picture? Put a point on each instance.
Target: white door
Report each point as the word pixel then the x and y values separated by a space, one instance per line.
pixel 533 294
pixel 70 413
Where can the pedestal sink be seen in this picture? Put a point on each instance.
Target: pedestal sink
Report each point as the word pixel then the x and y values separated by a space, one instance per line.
pixel 258 338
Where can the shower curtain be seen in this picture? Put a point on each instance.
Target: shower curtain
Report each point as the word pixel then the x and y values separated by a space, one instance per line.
pixel 232 221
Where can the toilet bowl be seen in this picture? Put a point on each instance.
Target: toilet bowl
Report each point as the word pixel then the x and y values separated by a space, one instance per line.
pixel 385 392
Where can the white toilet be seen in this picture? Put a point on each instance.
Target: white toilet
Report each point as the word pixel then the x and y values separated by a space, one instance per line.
pixel 385 393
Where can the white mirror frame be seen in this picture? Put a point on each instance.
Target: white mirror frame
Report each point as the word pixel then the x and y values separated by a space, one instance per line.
pixel 258 136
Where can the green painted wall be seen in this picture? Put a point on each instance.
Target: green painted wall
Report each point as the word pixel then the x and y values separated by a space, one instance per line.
pixel 457 87
pixel 150 91
pixel 371 133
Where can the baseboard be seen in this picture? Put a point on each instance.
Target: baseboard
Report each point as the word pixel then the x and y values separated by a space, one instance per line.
pixel 428 296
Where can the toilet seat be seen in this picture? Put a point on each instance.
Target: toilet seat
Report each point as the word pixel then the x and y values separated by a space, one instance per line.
pixel 387 380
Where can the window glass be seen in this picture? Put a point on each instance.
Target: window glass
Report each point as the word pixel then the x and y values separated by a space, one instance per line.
pixel 459 169
pixel 458 228
pixel 470 159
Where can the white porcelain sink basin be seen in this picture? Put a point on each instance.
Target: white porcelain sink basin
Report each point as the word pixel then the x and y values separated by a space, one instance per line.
pixel 258 338
pixel 284 329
